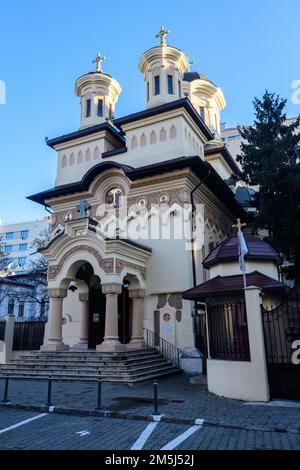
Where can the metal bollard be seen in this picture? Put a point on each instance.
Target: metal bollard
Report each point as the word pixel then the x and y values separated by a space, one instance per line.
pixel 156 412
pixel 49 392
pixel 5 396
pixel 99 405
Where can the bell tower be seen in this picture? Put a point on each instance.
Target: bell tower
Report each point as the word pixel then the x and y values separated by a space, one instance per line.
pixel 98 94
pixel 163 67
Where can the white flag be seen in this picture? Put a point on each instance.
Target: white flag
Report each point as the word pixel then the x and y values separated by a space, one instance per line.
pixel 243 250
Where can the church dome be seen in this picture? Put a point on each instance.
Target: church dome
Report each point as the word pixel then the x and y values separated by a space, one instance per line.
pixel 228 251
pixel 191 76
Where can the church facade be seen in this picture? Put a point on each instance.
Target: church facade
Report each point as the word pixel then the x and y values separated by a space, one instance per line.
pixel 139 201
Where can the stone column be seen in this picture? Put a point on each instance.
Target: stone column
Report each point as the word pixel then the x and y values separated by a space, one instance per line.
pixel 111 336
pixel 55 340
pixel 84 322
pixel 137 338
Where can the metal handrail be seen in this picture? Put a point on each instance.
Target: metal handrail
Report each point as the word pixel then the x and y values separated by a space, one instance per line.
pixel 168 350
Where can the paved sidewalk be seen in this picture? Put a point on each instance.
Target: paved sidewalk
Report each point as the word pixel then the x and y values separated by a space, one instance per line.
pixel 178 400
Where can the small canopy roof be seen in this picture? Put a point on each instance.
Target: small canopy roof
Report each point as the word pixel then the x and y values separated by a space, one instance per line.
pixel 228 251
pixel 226 285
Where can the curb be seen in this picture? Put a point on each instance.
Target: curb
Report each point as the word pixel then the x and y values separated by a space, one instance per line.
pixel 135 417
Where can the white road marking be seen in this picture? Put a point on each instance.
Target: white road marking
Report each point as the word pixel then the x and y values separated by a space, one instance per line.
pixel 140 442
pixel 21 423
pixel 82 433
pixel 182 437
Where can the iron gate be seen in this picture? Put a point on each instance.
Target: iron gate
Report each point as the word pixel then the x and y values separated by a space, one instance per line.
pixel 282 328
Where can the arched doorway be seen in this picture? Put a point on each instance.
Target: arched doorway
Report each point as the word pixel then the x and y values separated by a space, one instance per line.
pixel 125 314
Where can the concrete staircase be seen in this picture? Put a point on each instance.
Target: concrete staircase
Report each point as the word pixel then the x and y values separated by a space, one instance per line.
pixel 129 367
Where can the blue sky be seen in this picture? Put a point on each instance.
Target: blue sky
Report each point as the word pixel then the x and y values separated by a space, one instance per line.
pixel 243 46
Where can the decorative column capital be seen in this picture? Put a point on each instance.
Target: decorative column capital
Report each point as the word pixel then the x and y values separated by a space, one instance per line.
pixel 83 297
pixel 57 293
pixel 111 288
pixel 136 293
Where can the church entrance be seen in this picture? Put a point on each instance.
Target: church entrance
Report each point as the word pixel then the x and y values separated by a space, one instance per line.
pixel 97 304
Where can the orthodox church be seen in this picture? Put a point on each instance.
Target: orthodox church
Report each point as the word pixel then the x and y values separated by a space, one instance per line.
pixel 108 286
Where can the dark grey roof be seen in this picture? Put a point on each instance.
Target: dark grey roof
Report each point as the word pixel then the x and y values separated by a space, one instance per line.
pixel 191 76
pixel 222 285
pixel 245 196
pixel 228 251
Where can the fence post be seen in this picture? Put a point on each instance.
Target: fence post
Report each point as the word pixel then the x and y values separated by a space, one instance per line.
pixel 5 396
pixel 155 412
pixel 257 342
pixel 99 404
pixel 49 392
pixel 6 356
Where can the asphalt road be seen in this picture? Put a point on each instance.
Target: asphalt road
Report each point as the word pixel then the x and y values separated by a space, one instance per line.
pixel 28 430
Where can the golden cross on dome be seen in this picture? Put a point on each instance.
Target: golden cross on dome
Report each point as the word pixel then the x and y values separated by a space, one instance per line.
pixel 98 60
pixel 239 226
pixel 162 35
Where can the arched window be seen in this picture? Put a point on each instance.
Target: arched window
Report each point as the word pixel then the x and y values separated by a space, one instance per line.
pixel 113 197
pixel 64 161
pixel 153 138
pixel 173 132
pixel 162 135
pixel 79 157
pixel 96 153
pixel 143 140
pixel 134 142
pixel 10 307
pixel 72 159
pixel 87 155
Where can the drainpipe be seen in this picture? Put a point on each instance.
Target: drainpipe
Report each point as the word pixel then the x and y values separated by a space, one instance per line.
pixel 193 218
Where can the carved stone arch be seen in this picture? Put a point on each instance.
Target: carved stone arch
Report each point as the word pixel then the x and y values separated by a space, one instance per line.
pixel 96 152
pixel 88 155
pixel 72 159
pixel 79 157
pixel 143 140
pixel 153 138
pixel 173 132
pixel 162 134
pixel 134 142
pixel 64 161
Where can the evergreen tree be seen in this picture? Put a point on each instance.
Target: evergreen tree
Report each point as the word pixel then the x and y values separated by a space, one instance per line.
pixel 270 159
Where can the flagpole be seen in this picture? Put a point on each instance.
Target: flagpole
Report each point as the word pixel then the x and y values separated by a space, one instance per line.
pixel 242 249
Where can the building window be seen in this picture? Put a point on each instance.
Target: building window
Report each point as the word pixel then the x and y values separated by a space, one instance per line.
pixel 88 108
pixel 8 248
pixel 7 261
pixel 148 91
pixel 24 234
pixel 100 108
pixel 156 85
pixel 113 197
pixel 202 114
pixel 21 310
pixel 23 246
pixel 10 307
pixel 9 235
pixel 211 246
pixel 21 261
pixel 170 85
pixel 179 88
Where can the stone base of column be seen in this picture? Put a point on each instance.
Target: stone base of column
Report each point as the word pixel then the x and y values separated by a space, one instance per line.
pixel 83 345
pixel 138 343
pixel 53 347
pixel 110 345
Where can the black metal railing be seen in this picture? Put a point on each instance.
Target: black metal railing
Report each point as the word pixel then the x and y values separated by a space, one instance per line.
pixel 227 329
pixel 169 351
pixel 28 335
pixel 2 330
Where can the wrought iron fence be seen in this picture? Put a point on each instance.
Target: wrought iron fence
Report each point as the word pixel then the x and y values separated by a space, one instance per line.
pixel 228 329
pixel 2 330
pixel 282 328
pixel 28 335
pixel 167 350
